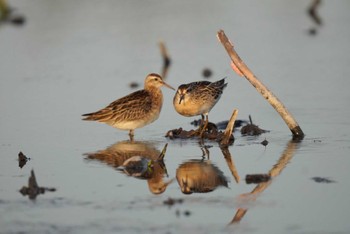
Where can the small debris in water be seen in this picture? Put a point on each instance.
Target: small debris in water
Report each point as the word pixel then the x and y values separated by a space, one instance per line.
pixel 222 124
pixel 187 213
pixel 212 134
pixel 252 129
pixel 33 189
pixel 172 201
pixel 9 15
pixel 257 178
pixel 18 20
pixel 312 31
pixel 322 180
pixel 134 85
pixel 264 142
pixel 22 159
pixel 207 73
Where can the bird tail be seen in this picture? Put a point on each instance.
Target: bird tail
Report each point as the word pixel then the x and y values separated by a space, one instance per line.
pixel 221 83
pixel 88 116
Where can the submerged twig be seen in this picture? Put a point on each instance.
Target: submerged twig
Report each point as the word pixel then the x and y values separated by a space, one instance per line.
pixel 261 88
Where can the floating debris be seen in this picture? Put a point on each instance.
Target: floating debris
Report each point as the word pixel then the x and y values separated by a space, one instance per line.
pixel 33 189
pixel 209 131
pixel 222 124
pixel 207 73
pixel 322 180
pixel 134 85
pixel 264 142
pixel 172 201
pixel 257 178
pixel 8 14
pixel 187 213
pixel 22 159
pixel 211 134
pixel 252 129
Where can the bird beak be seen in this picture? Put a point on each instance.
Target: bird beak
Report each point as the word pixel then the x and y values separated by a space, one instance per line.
pixel 182 97
pixel 166 85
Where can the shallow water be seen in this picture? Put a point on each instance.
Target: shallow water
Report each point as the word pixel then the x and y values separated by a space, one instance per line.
pixel 75 57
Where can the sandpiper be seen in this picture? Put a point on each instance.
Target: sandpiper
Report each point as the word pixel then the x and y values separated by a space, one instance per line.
pixel 135 110
pixel 198 98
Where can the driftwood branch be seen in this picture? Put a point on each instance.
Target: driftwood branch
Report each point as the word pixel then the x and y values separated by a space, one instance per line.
pixel 260 87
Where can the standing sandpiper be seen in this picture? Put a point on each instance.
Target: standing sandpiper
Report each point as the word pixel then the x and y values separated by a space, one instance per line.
pixel 198 98
pixel 135 110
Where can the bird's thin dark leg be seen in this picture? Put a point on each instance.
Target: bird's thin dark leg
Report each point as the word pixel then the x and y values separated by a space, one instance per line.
pixel 204 127
pixel 131 134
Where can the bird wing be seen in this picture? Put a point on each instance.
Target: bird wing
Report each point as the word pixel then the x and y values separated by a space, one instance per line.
pixel 125 108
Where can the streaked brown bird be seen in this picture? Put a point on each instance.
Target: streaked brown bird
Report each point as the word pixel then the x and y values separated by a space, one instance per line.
pixel 198 98
pixel 135 110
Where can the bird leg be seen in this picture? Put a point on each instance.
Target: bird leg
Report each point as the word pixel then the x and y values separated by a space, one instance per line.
pixel 131 134
pixel 204 126
pixel 201 129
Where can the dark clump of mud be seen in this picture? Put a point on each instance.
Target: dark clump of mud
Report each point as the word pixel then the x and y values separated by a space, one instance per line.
pixel 22 159
pixel 252 129
pixel 222 124
pixel 264 142
pixel 210 134
pixel 172 201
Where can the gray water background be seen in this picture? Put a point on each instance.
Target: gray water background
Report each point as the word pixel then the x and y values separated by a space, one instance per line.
pixel 74 57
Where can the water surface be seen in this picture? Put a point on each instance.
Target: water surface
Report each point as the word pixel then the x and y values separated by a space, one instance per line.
pixel 75 57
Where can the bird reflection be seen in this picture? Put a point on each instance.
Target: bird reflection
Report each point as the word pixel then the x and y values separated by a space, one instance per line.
pixel 199 176
pixel 137 159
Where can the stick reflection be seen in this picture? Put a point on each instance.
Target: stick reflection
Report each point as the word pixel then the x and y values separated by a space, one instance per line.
pixel 276 170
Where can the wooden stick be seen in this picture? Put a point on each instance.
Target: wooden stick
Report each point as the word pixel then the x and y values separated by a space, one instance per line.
pixel 229 128
pixel 260 87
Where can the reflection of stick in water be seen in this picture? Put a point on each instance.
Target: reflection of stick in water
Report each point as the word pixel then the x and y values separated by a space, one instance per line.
pixel 286 156
pixel 225 151
pixel 241 68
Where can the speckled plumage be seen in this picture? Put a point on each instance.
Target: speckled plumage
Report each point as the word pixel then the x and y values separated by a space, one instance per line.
pixel 198 98
pixel 135 110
